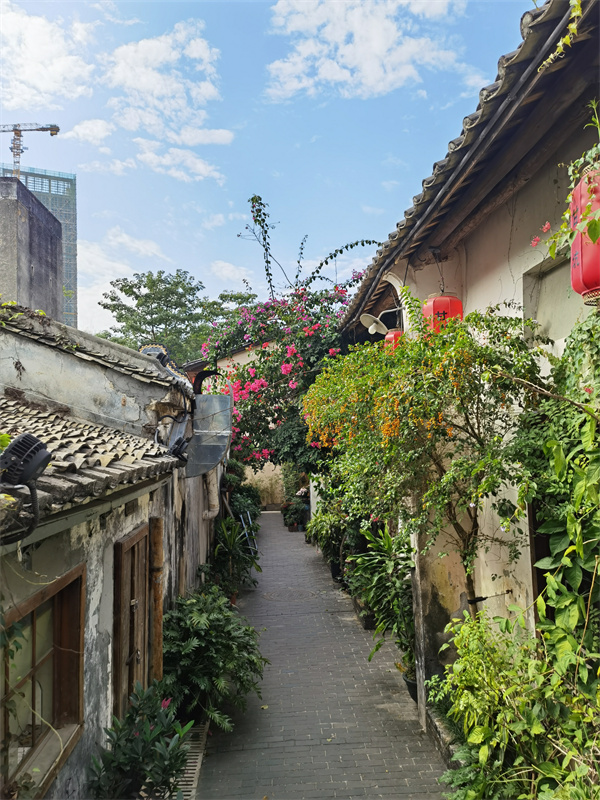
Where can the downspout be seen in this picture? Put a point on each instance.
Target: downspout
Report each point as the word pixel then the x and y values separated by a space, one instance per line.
pixel 212 484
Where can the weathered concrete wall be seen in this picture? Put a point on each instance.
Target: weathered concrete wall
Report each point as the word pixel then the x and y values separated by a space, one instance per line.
pixel 494 263
pixel 70 377
pixel 31 254
pixel 180 504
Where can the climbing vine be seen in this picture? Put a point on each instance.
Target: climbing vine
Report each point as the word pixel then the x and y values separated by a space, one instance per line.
pixel 424 430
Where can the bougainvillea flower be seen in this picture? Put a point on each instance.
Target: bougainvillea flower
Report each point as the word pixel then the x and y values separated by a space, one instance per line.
pixel 286 368
pixel 535 241
pixel 546 227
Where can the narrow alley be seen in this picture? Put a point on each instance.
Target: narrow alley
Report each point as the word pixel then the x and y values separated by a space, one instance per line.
pixel 329 724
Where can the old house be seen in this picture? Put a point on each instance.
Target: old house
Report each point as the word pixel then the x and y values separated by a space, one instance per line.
pixel 108 532
pixel 469 232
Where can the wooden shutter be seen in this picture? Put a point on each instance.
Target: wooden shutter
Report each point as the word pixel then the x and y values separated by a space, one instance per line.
pixel 130 616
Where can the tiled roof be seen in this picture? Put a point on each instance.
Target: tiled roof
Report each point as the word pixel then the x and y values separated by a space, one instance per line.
pixel 519 94
pixel 87 460
pixel 88 347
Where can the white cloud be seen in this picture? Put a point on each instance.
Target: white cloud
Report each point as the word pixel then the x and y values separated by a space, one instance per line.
pixel 150 77
pixel 213 221
pixel 390 185
pixel 359 48
pixel 42 63
pixel 95 270
pixel 372 211
pixel 93 131
pixel 191 137
pixel 110 12
pixel 229 272
pixel 184 165
pixel 145 248
pixel 116 166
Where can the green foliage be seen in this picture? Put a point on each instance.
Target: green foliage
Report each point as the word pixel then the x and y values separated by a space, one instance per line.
pixel 233 560
pixel 246 498
pixel 292 479
pixel 146 753
pixel 424 430
pixel 589 221
pixel 529 708
pixel 568 36
pixel 327 528
pixel 169 309
pixel 381 579
pixel 211 657
pixel 294 512
pixel 531 731
pixel 290 335
pixel 4 441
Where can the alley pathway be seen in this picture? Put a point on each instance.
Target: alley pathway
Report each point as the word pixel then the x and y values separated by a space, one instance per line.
pixel 329 724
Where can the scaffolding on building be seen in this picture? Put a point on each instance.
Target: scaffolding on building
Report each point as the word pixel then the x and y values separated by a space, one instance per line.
pixel 58 192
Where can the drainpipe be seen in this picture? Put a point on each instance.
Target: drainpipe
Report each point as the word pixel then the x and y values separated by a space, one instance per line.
pixel 212 483
pixel 156 591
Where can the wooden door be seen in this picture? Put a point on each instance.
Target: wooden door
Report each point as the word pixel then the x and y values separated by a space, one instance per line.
pixel 131 611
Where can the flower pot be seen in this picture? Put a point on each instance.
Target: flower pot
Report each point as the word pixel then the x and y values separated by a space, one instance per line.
pixel 411 685
pixel 292 528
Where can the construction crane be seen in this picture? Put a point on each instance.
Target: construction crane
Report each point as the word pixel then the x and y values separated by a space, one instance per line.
pixel 16 145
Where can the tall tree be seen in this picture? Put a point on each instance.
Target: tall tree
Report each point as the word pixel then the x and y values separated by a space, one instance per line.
pixel 169 309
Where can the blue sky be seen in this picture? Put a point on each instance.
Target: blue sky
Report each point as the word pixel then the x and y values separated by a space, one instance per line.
pixel 172 114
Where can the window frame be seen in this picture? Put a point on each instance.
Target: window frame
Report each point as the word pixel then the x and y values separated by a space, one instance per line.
pixel 50 752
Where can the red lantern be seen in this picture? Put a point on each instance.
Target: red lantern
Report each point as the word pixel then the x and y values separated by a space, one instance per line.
pixel 392 338
pixel 440 307
pixel 585 254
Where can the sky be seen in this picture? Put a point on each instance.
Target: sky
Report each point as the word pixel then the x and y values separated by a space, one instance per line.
pixel 173 114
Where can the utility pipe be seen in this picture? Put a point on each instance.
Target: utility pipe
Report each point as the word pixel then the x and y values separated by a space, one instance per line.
pixel 212 483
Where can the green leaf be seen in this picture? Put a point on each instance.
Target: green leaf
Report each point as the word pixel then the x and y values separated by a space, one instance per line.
pixel 574 575
pixel 541 607
pixel 478 734
pixel 593 230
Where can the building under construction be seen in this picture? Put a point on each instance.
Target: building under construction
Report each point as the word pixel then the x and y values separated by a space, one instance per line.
pixel 58 192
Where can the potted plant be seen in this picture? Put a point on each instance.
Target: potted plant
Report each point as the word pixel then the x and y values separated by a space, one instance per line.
pixel 381 578
pixel 233 560
pixel 294 513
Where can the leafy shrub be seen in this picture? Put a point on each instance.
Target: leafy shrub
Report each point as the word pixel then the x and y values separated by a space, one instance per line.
pixel 211 657
pixel 233 559
pixel 531 727
pixel 294 512
pixel 381 579
pixel 246 498
pixel 147 750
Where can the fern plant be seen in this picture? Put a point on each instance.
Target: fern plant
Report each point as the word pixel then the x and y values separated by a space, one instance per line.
pixel 211 657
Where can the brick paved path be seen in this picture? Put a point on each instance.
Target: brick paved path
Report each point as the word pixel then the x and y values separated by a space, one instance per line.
pixel 334 725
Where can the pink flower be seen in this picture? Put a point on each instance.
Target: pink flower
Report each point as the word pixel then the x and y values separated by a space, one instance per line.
pixel 333 351
pixel 546 227
pixel 535 241
pixel 291 349
pixel 587 389
pixel 251 371
pixel 286 368
pixel 166 703
pixel 293 384
pixel 265 345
